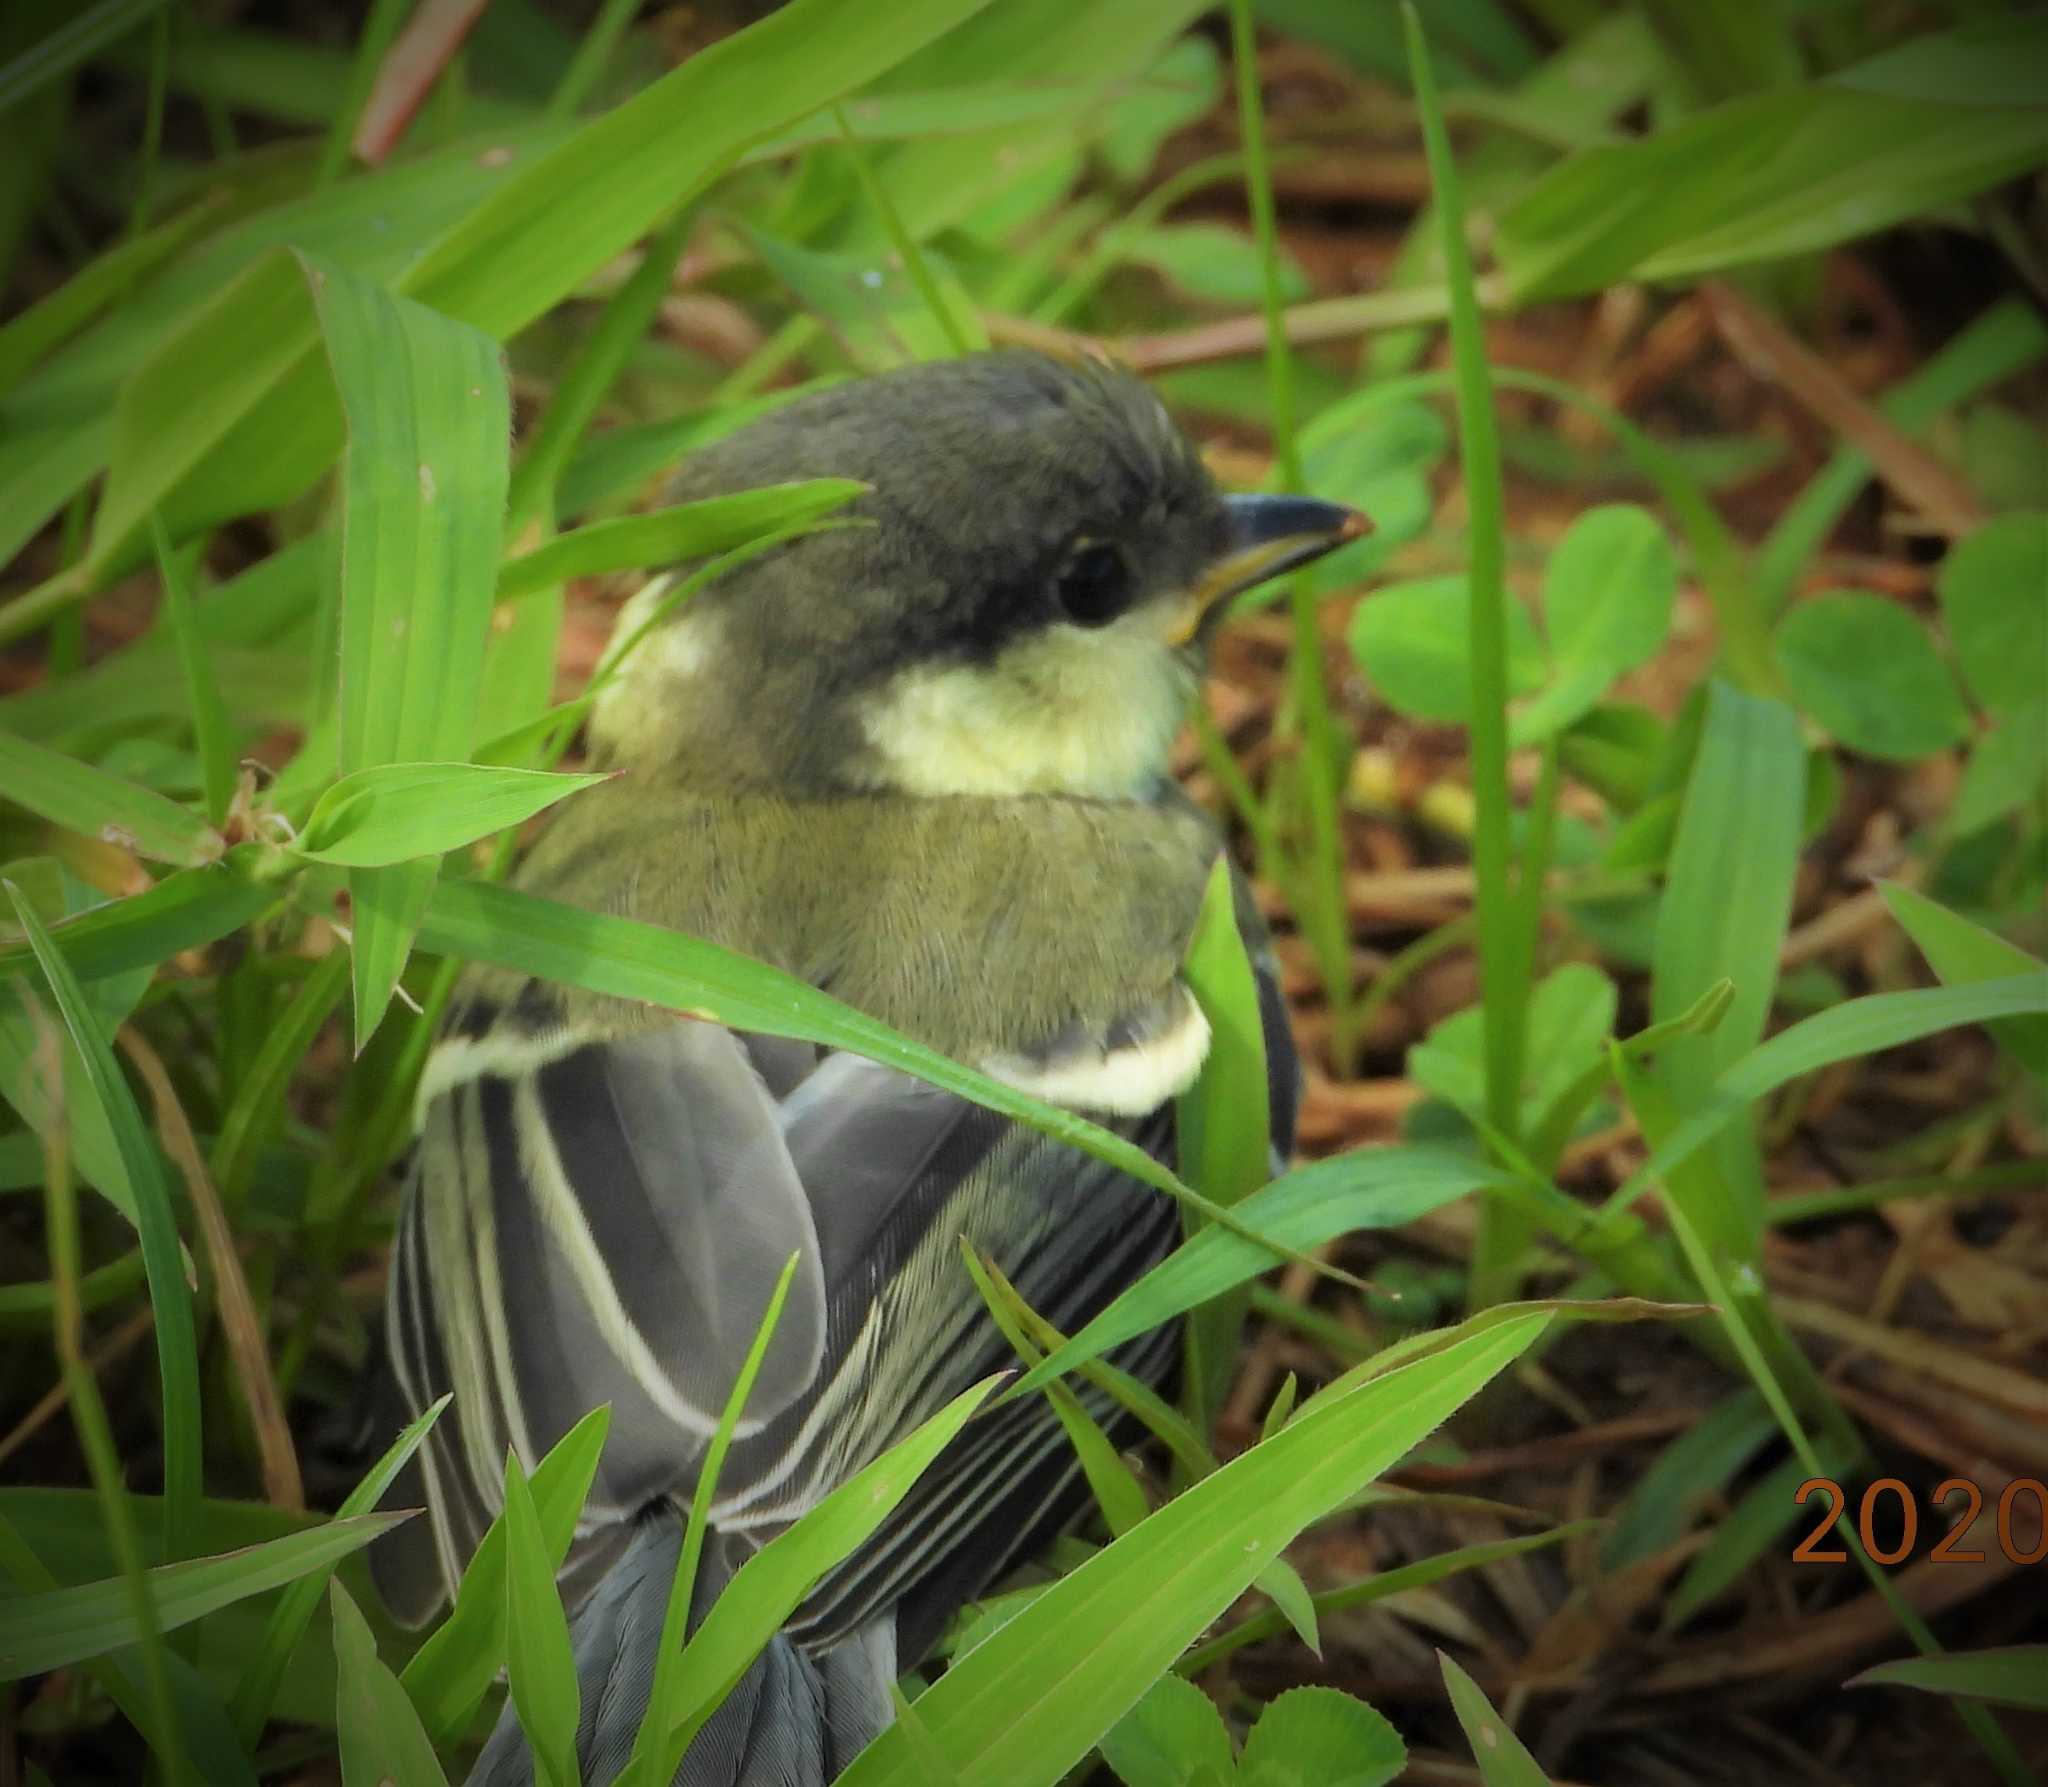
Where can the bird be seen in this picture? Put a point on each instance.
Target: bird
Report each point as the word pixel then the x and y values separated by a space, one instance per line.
pixel 919 760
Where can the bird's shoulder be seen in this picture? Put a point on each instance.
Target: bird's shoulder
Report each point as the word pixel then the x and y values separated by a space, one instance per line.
pixel 984 927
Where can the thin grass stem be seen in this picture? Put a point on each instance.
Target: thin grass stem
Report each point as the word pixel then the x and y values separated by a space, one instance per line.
pixel 1503 970
pixel 593 55
pixel 89 1415
pixel 1315 884
pixel 916 268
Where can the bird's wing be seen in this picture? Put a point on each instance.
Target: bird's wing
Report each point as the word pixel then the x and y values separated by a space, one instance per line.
pixel 605 1225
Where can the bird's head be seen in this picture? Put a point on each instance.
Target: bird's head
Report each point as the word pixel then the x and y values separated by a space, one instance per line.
pixel 1021 604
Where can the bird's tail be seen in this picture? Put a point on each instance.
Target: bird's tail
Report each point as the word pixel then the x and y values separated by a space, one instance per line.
pixel 795 1719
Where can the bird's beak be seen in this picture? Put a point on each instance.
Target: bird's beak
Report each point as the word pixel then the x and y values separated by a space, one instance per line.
pixel 1268 535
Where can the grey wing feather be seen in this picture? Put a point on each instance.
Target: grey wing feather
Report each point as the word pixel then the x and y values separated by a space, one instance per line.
pixel 606 1227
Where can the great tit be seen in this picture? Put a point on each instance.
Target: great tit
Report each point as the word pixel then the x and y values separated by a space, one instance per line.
pixel 920 762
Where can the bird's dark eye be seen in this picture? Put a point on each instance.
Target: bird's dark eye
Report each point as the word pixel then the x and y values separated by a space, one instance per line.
pixel 1096 585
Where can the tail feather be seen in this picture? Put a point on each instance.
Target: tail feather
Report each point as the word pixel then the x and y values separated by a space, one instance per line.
pixel 795 1719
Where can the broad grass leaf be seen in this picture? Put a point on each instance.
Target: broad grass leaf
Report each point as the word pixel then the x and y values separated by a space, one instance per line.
pixel 1170 1738
pixel 1503 1759
pixel 1994 601
pixel 173 424
pixel 1029 1702
pixel 1723 915
pixel 962 180
pixel 1224 1123
pixel 1867 671
pixel 1756 179
pixel 1319 1737
pixel 41 1632
pixel 94 804
pixel 1413 640
pixel 393 812
pixel 1962 954
pixel 538 1660
pixel 423 513
pixel 1990 61
pixel 378 1734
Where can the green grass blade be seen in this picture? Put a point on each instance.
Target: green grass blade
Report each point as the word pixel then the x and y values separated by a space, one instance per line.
pixel 1504 1761
pixel 1367 1189
pixel 1420 1574
pixel 1757 179
pixel 539 1662
pixel 1116 1490
pixel 1028 1703
pixel 655 1758
pixel 212 735
pixel 1761 1343
pixel 2005 340
pixel 295 1607
pixel 766 1589
pixel 393 812
pixel 451 1672
pixel 2014 1676
pixel 959 324
pixel 87 32
pixel 1223 1128
pixel 156 1224
pixel 379 30
pixel 257 1106
pixel 378 1734
pixel 1963 954
pixel 423 512
pixel 1841 1033
pixel 1505 964
pixel 688 530
pixel 184 911
pixel 1723 917
pixel 96 805
pixel 149 1702
pixel 41 1632
pixel 28 339
pixel 1315 883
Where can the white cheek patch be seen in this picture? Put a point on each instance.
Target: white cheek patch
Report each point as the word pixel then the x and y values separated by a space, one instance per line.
pixel 1065 711
pixel 1130 1081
